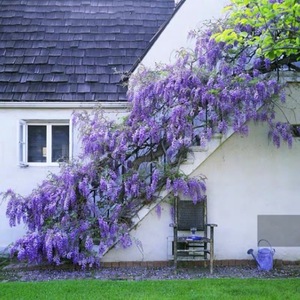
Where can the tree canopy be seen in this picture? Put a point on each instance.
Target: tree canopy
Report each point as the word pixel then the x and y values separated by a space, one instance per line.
pixel 224 82
pixel 268 28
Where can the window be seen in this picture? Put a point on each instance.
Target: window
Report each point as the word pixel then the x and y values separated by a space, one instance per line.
pixel 44 142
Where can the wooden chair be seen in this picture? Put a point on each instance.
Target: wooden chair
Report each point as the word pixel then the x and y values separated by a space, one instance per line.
pixel 186 246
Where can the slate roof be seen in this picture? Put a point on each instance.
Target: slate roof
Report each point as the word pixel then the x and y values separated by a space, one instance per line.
pixel 73 50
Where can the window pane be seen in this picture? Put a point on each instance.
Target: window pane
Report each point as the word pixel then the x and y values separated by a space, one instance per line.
pixel 60 143
pixel 37 143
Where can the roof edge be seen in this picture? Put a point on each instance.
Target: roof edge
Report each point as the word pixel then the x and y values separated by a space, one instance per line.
pixel 152 41
pixel 65 105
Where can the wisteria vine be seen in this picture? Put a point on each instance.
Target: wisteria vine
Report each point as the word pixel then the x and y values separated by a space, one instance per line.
pixel 85 209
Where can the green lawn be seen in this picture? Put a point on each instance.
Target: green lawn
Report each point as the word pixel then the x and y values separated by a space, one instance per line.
pixel 166 289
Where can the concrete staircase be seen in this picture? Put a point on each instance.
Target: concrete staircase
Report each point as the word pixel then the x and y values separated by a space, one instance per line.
pixel 198 154
pixel 194 159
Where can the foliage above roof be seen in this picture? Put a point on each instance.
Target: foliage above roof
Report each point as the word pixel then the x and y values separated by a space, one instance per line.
pixel 267 28
pixel 73 50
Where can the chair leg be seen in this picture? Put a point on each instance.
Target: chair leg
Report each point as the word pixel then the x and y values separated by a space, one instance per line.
pixel 211 257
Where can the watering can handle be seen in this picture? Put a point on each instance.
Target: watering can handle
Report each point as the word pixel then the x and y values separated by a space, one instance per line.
pixel 267 243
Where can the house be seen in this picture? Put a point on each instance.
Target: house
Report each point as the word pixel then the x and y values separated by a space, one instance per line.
pixel 252 187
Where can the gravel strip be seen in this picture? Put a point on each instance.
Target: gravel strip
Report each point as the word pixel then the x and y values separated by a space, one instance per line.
pixel 140 273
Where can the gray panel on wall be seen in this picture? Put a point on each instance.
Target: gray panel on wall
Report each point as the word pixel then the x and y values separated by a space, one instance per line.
pixel 279 230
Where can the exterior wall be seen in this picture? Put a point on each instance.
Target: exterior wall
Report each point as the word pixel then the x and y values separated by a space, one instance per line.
pixel 150 239
pixel 190 16
pixel 23 180
pixel 247 177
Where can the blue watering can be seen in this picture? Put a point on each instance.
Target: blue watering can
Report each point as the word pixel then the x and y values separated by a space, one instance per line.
pixel 264 257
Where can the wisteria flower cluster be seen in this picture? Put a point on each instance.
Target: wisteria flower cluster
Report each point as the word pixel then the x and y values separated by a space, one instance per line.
pixel 87 208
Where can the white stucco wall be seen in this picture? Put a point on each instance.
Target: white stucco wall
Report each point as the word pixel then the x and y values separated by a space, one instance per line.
pixel 23 180
pixel 149 239
pixel 190 16
pixel 246 177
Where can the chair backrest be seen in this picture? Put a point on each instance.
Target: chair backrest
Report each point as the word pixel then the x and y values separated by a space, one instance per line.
pixel 191 215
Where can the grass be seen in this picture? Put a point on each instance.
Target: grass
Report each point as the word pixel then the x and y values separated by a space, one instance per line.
pixel 154 289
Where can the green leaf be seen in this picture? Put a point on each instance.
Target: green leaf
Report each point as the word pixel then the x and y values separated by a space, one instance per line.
pixel 243 34
pixel 271 55
pixel 258 52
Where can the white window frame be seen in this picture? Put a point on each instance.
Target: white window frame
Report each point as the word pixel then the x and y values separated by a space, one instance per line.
pixel 23 141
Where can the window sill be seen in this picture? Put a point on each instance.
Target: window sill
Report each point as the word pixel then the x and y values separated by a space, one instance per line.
pixel 27 165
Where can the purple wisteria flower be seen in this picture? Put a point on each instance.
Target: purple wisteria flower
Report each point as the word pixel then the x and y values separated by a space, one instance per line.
pixel 87 208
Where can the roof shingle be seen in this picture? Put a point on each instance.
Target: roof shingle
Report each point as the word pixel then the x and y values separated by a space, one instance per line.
pixel 73 50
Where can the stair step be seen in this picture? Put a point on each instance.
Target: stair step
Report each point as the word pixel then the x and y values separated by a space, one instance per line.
pixel 199 154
